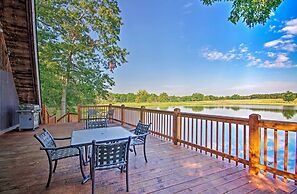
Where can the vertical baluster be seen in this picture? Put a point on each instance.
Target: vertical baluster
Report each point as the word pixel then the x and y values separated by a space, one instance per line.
pixel 196 133
pixel 201 134
pixel 244 143
pixel 180 128
pixel 230 141
pixel 275 152
pixel 286 154
pixel 206 130
pixel 223 139
pixel 217 137
pixel 188 131
pixel 211 136
pixel 167 128
pixel 296 159
pixel 265 149
pixel 236 140
pixel 184 129
pixel 192 137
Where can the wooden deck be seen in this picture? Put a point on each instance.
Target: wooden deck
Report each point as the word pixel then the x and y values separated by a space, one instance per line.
pixel 171 169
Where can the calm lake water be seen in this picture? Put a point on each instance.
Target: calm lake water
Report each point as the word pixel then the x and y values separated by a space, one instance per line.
pixel 282 113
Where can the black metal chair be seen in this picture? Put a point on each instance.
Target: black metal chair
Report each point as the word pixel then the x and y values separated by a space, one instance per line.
pixel 55 153
pixel 110 155
pixel 141 130
pixel 96 123
pixel 109 115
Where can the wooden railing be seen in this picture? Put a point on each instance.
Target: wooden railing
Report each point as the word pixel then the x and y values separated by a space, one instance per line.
pixel 69 117
pixel 52 119
pixel 46 117
pixel 248 141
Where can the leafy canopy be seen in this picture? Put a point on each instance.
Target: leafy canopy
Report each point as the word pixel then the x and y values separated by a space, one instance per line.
pixel 78 43
pixel 289 96
pixel 252 12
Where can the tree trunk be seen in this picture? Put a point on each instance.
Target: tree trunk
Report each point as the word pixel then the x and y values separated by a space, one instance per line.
pixel 63 100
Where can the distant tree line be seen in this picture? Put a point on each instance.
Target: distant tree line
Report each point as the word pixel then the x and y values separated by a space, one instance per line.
pixel 144 96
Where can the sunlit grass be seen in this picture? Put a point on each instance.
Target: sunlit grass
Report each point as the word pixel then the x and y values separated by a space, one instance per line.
pixel 276 102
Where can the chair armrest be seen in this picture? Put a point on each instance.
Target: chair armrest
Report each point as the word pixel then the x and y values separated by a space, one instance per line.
pixel 54 148
pixel 142 135
pixel 61 138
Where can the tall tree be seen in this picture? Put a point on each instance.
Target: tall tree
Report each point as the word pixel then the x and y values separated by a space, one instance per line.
pixel 78 43
pixel 252 12
pixel 289 96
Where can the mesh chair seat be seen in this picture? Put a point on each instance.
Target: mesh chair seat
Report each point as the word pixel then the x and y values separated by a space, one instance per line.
pixel 64 153
pixel 137 141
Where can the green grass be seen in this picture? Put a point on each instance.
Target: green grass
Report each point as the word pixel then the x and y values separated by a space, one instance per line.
pixel 276 102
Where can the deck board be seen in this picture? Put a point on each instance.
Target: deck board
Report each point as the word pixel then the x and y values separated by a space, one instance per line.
pixel 171 169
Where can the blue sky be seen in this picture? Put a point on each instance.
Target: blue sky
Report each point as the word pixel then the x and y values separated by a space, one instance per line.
pixel 181 47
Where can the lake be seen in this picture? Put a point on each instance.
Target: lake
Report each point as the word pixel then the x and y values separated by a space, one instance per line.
pixel 281 113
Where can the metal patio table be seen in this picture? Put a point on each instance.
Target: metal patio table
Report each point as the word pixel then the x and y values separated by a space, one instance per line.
pixel 85 138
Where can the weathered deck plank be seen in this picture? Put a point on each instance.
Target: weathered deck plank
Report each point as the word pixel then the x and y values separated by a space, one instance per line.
pixel 171 169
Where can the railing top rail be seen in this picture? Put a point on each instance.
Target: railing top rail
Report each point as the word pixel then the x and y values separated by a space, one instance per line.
pixel 237 120
pixel 92 106
pixel 279 125
pixel 159 111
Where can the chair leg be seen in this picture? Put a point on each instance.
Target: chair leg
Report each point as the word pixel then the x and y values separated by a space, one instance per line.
pixel 134 150
pixel 144 153
pixel 93 180
pixel 127 179
pixel 49 174
pixel 122 169
pixel 86 155
pixel 55 166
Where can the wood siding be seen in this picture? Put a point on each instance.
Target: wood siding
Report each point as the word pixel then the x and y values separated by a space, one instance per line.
pixel 17 21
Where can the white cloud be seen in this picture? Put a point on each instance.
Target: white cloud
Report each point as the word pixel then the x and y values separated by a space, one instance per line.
pixel 281 61
pixel 273 43
pixel 271 27
pixel 187 5
pixel 270 54
pixel 215 55
pixel 287 36
pixel 291 27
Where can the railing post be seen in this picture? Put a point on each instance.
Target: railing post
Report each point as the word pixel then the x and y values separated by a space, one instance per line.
pixel 142 114
pixel 122 114
pixel 78 113
pixel 176 125
pixel 254 143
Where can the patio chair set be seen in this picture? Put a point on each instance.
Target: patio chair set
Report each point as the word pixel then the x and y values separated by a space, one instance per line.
pixel 104 147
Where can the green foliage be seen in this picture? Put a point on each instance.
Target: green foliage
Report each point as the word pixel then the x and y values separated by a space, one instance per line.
pixel 78 43
pixel 252 12
pixel 144 96
pixel 289 96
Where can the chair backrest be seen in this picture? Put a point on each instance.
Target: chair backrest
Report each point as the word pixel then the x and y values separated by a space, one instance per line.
pixel 46 139
pixel 110 154
pixel 110 112
pixel 142 128
pixel 92 113
pixel 96 123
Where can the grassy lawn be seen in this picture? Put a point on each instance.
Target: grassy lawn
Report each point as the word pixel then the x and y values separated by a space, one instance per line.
pixel 277 102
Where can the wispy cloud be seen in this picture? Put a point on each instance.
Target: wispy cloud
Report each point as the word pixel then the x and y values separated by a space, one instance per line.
pixel 275 54
pixel 291 27
pixel 214 55
pixel 188 5
pixel 286 41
